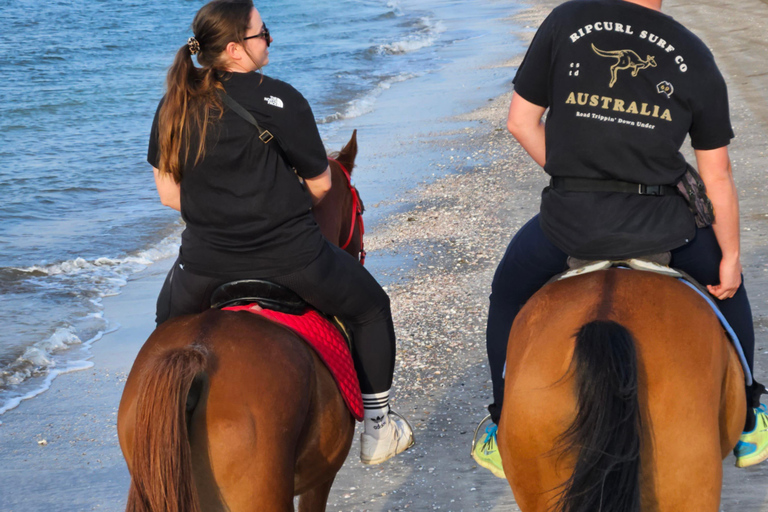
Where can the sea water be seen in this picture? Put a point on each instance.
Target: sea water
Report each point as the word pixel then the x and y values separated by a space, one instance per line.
pixel 80 84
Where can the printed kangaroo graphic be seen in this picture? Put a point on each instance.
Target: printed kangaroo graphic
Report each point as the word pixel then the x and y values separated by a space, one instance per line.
pixel 626 59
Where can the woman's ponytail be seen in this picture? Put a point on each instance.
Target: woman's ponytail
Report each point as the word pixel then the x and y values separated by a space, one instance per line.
pixel 191 98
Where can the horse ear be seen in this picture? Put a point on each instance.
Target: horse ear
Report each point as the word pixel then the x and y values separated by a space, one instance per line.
pixel 349 152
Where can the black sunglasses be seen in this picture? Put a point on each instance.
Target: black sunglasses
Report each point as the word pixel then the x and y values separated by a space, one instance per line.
pixel 264 33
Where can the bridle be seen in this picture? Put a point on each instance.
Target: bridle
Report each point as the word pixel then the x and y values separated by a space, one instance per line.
pixel 357 213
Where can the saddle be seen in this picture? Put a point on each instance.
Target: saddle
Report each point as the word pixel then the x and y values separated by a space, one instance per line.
pixel 328 337
pixel 659 263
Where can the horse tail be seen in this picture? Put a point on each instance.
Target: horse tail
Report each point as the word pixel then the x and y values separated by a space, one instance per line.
pixel 607 426
pixel 161 469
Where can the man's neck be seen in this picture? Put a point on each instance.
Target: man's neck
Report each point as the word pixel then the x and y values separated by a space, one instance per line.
pixel 650 4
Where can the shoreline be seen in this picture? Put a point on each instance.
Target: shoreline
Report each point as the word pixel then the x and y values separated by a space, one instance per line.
pixel 435 248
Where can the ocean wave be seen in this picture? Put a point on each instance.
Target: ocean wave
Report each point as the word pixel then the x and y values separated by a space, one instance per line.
pixel 394 7
pixel 72 366
pixel 365 103
pixel 64 350
pixel 425 34
pixel 128 264
pixel 39 357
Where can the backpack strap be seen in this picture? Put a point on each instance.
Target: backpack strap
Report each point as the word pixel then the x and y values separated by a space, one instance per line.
pixel 264 135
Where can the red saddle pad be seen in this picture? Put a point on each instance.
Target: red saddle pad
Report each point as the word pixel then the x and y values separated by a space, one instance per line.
pixel 329 344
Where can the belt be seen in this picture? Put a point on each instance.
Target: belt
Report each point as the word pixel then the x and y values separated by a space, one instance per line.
pixel 593 185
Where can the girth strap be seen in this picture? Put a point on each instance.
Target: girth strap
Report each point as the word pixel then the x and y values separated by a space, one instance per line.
pixel 594 185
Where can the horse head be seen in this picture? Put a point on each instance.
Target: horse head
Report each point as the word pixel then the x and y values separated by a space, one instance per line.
pixel 339 214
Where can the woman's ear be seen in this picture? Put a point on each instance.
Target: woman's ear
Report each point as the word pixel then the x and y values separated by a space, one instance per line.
pixel 234 51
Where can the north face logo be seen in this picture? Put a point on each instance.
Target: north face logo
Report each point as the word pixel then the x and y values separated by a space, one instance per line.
pixel 274 101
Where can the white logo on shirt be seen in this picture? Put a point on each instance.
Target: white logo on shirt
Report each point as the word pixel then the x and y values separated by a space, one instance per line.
pixel 274 101
pixel 665 88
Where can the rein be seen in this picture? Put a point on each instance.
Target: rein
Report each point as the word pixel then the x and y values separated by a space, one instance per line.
pixel 357 213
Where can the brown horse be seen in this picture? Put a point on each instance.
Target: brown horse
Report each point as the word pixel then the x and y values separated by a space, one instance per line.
pixel 622 394
pixel 229 411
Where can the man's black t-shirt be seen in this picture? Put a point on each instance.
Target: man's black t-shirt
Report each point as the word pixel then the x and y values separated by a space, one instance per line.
pixel 624 85
pixel 246 213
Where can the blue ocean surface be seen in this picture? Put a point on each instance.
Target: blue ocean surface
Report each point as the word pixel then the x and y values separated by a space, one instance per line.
pixel 81 82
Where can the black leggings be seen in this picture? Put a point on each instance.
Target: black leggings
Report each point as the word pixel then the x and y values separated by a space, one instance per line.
pixel 531 260
pixel 334 283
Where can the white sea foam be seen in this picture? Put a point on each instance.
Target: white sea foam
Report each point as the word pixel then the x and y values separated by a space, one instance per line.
pixel 425 35
pixel 72 366
pixel 128 264
pixel 365 103
pixel 32 372
pixel 395 7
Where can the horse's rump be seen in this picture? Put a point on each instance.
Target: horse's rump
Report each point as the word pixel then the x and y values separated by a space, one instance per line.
pixel 259 389
pixel 687 383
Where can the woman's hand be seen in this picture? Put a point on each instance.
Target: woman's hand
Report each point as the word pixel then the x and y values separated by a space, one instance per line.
pixel 730 279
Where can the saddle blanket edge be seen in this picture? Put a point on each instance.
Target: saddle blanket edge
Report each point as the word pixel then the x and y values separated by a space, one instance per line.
pixel 329 345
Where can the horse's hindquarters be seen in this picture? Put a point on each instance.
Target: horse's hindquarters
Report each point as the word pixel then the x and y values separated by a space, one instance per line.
pixel 682 362
pixel 327 436
pixel 255 405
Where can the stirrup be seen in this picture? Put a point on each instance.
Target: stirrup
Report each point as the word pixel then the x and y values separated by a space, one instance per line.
pixel 477 429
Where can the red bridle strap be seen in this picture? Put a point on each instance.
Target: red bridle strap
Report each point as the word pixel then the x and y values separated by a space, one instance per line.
pixel 357 213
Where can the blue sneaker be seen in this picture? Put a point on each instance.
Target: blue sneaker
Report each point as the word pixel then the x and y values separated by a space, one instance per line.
pixel 752 447
pixel 486 452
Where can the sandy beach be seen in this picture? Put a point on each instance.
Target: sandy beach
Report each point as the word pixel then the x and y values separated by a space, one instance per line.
pixel 435 250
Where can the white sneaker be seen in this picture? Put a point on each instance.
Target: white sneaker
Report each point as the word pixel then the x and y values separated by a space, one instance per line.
pixel 393 436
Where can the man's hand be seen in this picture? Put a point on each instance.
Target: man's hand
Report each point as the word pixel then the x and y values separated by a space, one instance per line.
pixel 730 279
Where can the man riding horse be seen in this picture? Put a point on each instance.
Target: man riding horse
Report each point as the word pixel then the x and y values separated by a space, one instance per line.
pixel 611 144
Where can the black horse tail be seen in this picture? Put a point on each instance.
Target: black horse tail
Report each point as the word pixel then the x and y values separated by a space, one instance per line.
pixel 607 429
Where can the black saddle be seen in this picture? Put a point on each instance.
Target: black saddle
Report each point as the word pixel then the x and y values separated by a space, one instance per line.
pixel 266 294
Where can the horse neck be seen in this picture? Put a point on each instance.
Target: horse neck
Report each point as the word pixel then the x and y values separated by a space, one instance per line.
pixel 334 212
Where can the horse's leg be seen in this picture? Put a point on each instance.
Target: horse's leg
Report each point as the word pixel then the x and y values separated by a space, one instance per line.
pixel 539 405
pixel 324 443
pixel 316 499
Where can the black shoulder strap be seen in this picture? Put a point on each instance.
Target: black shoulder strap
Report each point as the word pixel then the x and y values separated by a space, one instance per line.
pixel 238 109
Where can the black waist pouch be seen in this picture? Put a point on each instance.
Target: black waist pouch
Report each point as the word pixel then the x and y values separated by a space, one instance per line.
pixel 692 188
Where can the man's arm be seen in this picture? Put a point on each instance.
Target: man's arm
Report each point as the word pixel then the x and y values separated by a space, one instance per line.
pixel 525 124
pixel 715 170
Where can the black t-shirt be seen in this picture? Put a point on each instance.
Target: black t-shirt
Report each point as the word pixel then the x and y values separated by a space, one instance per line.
pixel 246 213
pixel 624 85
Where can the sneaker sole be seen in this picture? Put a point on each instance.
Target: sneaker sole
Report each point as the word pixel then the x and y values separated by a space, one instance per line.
pixel 498 473
pixel 752 459
pixel 373 462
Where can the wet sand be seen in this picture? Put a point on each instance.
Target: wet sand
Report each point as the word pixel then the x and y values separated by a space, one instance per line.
pixel 436 253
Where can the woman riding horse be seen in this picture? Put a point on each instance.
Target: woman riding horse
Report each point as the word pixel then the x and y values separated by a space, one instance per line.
pixel 247 213
pixel 611 144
